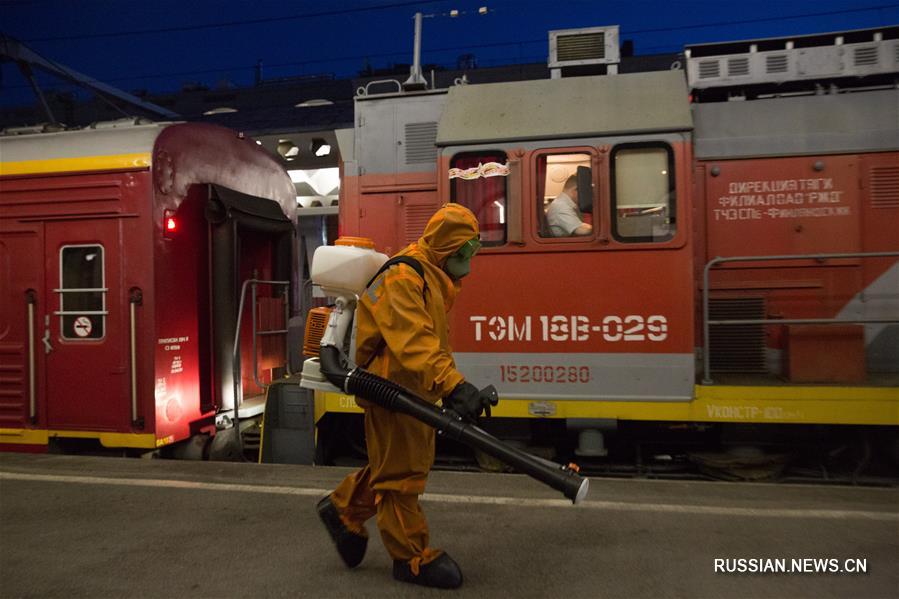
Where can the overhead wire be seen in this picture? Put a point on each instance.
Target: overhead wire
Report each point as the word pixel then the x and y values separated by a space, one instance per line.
pixel 325 13
pixel 338 12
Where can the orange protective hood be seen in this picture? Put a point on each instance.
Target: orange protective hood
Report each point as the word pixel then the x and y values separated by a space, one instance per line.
pixel 446 232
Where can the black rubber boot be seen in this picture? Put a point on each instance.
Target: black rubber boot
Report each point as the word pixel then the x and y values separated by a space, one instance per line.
pixel 350 546
pixel 442 573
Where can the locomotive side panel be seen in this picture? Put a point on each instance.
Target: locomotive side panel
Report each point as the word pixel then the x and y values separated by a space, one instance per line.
pixel 880 221
pixel 770 206
pixel 801 176
pixel 539 302
pixel 388 186
pixel 565 317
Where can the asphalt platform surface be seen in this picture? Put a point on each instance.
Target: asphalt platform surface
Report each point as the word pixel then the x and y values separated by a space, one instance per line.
pixel 133 528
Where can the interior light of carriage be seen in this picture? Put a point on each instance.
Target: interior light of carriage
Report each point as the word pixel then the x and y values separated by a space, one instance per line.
pixel 320 147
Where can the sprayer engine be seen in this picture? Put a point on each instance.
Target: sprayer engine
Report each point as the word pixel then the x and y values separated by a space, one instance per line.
pixel 342 271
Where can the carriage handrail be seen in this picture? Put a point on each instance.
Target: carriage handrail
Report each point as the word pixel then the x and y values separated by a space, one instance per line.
pixel 31 300
pixel 135 299
pixel 238 383
pixel 706 353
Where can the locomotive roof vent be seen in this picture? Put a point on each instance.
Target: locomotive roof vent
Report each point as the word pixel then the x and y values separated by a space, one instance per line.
pixel 584 46
pixel 802 58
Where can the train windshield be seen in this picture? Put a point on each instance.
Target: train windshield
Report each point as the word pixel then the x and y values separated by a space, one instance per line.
pixel 643 192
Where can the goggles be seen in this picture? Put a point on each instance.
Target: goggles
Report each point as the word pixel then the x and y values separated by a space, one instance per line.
pixel 469 248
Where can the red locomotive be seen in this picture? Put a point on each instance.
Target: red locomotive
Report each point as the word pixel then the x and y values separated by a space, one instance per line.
pixel 743 263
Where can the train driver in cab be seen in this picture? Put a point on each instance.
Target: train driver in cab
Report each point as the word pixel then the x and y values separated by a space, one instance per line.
pixel 563 216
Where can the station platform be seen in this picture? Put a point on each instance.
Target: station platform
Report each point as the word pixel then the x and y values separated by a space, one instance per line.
pixel 118 527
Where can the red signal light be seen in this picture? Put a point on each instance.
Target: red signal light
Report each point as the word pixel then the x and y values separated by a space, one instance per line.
pixel 169 223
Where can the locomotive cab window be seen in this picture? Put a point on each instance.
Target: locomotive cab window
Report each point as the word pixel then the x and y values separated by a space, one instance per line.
pixel 478 181
pixel 643 193
pixel 82 292
pixel 564 195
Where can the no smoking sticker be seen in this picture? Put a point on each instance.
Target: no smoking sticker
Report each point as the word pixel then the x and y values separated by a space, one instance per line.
pixel 82 326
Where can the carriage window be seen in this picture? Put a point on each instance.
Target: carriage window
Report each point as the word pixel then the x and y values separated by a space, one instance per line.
pixel 643 198
pixel 564 195
pixel 478 182
pixel 82 292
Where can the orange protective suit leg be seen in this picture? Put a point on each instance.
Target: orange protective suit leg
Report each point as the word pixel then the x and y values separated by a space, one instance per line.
pixel 355 500
pixel 401 521
pixel 400 452
pixel 403 527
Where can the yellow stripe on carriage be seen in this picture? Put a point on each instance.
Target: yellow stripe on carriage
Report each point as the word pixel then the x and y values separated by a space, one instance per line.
pixel 23 436
pixel 84 163
pixel 20 436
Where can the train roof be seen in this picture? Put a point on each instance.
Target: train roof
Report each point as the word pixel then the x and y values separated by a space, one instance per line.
pixel 566 108
pixel 180 154
pixel 805 40
pixel 115 144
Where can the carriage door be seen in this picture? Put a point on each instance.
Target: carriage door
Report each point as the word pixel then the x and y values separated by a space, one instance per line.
pixel 82 330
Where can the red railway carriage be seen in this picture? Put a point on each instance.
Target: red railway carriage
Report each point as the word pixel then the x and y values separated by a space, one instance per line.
pixel 122 250
pixel 651 317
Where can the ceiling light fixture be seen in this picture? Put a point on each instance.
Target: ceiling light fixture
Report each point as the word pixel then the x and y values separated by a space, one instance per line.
pixel 320 147
pixel 220 110
pixel 287 149
pixel 313 102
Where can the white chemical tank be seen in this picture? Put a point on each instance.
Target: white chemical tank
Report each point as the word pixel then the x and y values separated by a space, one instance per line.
pixel 346 267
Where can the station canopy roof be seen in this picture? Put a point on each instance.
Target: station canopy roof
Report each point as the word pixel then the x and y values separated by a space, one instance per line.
pixel 566 108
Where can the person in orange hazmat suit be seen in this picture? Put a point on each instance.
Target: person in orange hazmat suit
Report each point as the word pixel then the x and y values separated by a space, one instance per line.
pixel 402 336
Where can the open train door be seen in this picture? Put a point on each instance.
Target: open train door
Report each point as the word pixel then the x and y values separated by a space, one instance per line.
pixel 251 240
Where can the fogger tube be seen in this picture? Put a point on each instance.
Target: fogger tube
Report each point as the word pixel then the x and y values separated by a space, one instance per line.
pixel 395 398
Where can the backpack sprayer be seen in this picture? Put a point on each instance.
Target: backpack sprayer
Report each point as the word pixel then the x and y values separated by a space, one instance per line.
pixel 343 271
